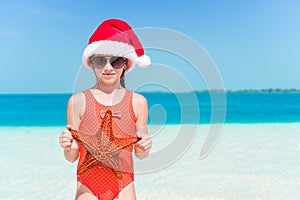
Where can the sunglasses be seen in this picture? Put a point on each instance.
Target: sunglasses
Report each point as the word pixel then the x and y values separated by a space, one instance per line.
pixel 115 61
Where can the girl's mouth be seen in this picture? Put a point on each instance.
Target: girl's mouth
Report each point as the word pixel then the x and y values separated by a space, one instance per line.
pixel 108 74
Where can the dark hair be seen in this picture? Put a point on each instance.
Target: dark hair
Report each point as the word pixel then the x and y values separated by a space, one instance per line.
pixel 122 78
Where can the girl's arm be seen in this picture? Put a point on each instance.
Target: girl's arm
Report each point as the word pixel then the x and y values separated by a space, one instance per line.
pixel 143 147
pixel 74 111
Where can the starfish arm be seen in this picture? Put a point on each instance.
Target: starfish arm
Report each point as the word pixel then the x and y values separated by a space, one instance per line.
pixel 122 143
pixel 113 164
pixel 106 125
pixel 88 163
pixel 75 135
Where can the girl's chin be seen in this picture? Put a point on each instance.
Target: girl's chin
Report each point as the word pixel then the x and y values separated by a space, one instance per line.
pixel 109 81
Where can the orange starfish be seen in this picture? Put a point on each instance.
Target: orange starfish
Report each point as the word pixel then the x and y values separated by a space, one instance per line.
pixel 104 147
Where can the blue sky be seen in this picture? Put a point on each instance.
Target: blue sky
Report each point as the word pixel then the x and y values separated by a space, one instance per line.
pixel 254 44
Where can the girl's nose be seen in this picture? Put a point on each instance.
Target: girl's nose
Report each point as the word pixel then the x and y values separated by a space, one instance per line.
pixel 108 66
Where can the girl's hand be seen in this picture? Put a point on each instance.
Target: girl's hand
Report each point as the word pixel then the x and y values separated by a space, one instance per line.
pixel 144 144
pixel 66 140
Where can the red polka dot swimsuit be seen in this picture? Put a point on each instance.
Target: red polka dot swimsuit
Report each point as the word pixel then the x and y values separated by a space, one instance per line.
pixel 100 179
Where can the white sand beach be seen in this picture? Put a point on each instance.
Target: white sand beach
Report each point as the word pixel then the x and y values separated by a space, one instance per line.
pixel 250 161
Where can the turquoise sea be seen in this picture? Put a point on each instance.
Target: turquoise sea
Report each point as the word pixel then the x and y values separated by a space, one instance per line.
pixel 165 108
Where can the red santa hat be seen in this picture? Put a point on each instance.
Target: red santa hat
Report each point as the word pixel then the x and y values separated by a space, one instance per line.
pixel 115 37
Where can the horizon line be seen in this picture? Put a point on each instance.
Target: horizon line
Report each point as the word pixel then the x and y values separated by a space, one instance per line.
pixel 161 91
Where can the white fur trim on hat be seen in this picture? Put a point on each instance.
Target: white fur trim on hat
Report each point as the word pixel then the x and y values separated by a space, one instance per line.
pixel 143 61
pixel 115 48
pixel 108 47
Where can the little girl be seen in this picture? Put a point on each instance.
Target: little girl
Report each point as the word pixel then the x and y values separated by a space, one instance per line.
pixel 107 121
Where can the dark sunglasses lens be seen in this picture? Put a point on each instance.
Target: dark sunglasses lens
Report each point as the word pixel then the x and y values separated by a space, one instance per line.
pixel 117 62
pixel 99 62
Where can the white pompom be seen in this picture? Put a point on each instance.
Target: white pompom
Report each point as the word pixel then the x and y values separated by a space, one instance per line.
pixel 143 61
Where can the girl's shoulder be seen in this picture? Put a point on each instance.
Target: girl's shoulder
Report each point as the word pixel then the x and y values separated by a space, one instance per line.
pixel 78 96
pixel 138 99
pixel 140 108
pixel 77 100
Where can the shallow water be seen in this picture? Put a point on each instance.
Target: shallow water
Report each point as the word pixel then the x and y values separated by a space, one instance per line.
pixel 250 161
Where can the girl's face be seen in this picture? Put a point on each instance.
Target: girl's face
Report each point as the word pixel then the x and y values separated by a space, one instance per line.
pixel 108 69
